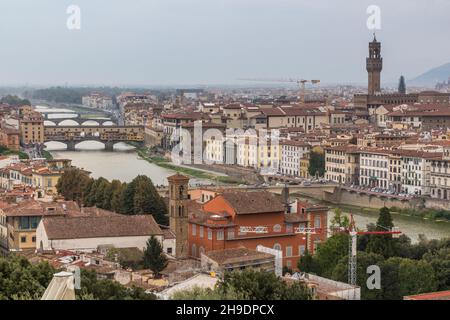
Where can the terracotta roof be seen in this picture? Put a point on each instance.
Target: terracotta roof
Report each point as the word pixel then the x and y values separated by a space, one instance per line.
pixel 177 177
pixel 441 295
pixel 236 255
pixel 254 202
pixel 103 226
pixel 38 208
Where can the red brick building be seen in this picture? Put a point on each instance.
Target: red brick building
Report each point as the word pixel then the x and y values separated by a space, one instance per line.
pixel 248 219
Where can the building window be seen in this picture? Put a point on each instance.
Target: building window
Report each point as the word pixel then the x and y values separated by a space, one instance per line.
pixel 289 227
pixel 219 234
pixel 277 228
pixel 316 245
pixel 301 250
pixel 277 246
pixel 34 221
pixel 209 234
pixel 317 221
pixel 24 223
pixel 289 263
pixel 194 229
pixel 194 250
pixel 33 239
pixel 201 231
pixel 23 239
pixel 289 251
pixel 230 234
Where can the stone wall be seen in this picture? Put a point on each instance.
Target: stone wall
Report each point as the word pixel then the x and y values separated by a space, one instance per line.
pixel 344 197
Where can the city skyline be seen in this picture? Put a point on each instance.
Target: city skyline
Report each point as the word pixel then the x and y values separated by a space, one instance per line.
pixel 200 43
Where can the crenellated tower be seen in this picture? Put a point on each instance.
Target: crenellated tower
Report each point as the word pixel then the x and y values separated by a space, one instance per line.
pixel 374 65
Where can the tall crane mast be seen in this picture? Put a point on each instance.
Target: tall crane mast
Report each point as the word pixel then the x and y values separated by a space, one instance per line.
pixel 300 82
pixel 353 249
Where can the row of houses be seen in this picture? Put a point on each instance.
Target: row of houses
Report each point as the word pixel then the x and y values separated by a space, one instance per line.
pixel 422 171
pixel 43 175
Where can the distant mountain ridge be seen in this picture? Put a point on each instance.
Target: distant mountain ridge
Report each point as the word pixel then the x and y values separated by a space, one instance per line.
pixel 433 76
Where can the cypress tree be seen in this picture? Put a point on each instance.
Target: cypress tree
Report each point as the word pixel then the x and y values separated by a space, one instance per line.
pixel 402 85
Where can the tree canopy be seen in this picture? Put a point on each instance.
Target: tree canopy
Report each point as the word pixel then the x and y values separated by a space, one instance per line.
pixel 137 197
pixel 316 164
pixel 382 243
pixel 248 284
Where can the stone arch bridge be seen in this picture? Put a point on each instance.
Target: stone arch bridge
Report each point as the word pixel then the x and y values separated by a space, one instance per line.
pixel 108 135
pixel 78 119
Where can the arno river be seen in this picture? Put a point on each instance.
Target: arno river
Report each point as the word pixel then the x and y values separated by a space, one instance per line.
pixel 124 164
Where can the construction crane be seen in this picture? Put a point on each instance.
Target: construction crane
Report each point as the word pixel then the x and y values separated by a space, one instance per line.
pixel 300 82
pixel 352 250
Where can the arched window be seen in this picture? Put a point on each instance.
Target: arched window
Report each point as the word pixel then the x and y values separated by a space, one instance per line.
pixel 277 246
pixel 277 228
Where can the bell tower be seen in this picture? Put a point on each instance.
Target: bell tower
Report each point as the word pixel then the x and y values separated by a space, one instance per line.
pixel 178 215
pixel 374 65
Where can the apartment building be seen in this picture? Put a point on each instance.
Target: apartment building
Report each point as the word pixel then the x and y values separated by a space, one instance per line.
pixel 31 128
pixel 307 117
pixel 292 152
pixel 172 122
pixel 97 101
pixel 374 168
pixel 342 164
pixel 440 176
pixel 416 171
pixel 395 171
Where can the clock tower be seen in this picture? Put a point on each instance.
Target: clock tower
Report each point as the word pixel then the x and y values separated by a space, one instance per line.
pixel 374 65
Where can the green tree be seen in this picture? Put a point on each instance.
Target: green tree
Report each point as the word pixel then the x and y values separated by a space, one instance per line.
pixel 127 199
pixel 382 243
pixel 90 199
pixel 116 189
pixel 147 200
pixel 339 221
pixel 73 185
pixel 141 197
pixel 330 252
pixel 19 279
pixel 261 285
pixel 364 259
pixel 402 85
pixel 408 276
pixel 197 293
pixel 306 263
pixel 105 289
pixel 440 262
pixel 316 164
pixel 15 101
pixel 154 257
pixel 100 192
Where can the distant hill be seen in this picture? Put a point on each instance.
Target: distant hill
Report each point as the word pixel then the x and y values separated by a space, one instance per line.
pixel 431 77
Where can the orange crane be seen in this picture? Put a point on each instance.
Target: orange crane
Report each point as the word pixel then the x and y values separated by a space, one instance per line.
pixel 351 230
pixel 300 82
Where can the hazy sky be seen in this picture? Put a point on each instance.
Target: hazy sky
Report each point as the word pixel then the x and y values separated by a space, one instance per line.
pixel 151 42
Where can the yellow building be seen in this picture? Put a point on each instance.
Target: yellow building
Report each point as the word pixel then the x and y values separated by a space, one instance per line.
pixel 304 166
pixel 18 223
pixel 269 156
pixel 46 176
pixel 45 180
pixel 31 128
